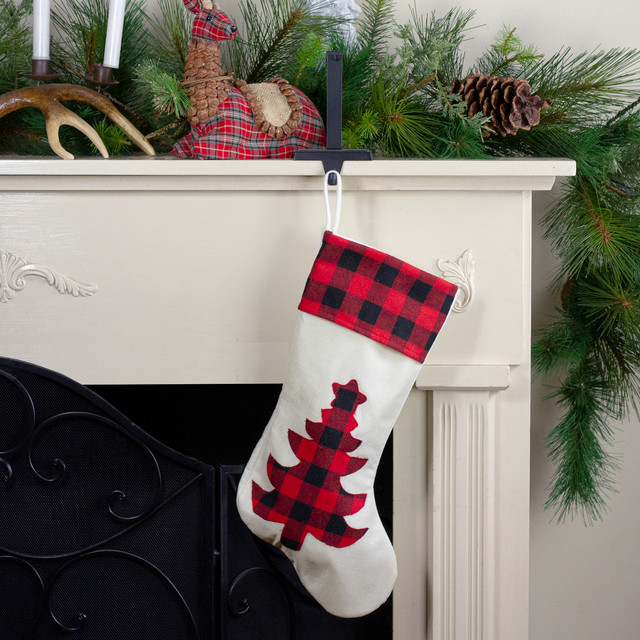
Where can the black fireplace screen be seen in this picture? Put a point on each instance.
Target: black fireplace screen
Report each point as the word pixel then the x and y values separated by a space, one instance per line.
pixel 108 534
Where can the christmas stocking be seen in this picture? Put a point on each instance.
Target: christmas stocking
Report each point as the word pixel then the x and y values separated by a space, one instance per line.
pixel 365 325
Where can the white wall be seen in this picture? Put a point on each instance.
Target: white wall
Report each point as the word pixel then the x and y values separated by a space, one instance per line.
pixel 585 581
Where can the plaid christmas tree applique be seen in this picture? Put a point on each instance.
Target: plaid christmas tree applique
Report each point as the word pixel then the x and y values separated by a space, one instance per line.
pixel 309 498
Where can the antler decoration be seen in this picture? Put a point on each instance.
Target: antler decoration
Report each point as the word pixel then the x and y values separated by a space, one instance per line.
pixel 47 98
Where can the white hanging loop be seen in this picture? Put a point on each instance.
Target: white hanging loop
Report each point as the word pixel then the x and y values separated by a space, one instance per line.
pixel 333 226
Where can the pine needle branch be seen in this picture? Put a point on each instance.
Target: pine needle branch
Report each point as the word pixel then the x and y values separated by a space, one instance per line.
pixel 507 54
pixel 274 31
pixel 624 110
pixel 375 24
pixel 166 94
pixel 290 24
pixel 15 42
pixel 170 35
pixel 417 85
pixel 587 84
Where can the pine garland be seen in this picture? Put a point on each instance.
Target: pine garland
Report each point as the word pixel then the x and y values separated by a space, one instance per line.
pixel 275 30
pixel 399 103
pixel 15 43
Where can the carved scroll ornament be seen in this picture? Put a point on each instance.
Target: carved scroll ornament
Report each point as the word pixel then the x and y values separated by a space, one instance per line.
pixel 14 272
pixel 461 273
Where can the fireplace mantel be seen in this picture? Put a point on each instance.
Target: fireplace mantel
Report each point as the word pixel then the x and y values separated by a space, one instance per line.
pixel 162 271
pixel 169 174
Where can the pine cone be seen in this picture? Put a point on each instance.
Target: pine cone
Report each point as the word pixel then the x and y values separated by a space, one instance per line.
pixel 507 101
pixel 202 61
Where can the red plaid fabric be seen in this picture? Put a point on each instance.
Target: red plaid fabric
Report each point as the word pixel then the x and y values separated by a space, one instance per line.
pixel 377 295
pixel 309 498
pixel 233 134
pixel 192 5
pixel 213 25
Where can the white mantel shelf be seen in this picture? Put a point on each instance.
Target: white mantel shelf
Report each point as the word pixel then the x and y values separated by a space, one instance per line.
pixel 192 272
pixel 152 173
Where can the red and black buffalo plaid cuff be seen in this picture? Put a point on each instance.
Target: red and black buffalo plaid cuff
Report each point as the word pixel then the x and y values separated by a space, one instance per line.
pixel 377 295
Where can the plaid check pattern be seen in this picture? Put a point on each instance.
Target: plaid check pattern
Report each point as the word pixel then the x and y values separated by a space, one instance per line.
pixel 232 134
pixel 377 296
pixel 213 25
pixel 308 498
pixel 193 5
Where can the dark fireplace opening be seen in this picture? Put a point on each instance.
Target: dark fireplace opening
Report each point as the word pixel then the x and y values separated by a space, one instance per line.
pixel 118 518
pixel 220 425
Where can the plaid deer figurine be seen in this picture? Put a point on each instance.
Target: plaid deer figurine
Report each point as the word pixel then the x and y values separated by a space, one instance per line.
pixel 233 119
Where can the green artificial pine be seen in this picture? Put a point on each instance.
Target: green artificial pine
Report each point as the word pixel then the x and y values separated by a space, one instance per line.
pixel 394 124
pixel 595 346
pixel 361 63
pixel 310 54
pixel 507 55
pixel 591 348
pixel 409 98
pixel 163 100
pixel 357 84
pixel 429 56
pixel 115 140
pixel 83 28
pixel 460 137
pixel 15 42
pixel 587 86
pixel 170 33
pixel 393 101
pixel 167 95
pixel 15 59
pixel 274 32
pixel 577 445
pixel 359 66
pixel 158 95
pixel 364 131
pixel 375 26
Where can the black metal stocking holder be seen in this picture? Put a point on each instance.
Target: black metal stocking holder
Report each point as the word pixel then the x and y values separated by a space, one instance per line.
pixel 334 155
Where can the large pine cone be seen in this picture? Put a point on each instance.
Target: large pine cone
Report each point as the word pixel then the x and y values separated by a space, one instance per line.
pixel 203 61
pixel 507 101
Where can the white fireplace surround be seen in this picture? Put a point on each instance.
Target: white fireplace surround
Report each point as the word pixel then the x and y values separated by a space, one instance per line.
pixel 166 271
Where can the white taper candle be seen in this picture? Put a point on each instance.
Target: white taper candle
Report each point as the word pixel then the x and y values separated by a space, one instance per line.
pixel 114 33
pixel 41 29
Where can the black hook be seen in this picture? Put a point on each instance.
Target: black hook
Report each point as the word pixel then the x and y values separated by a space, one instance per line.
pixel 334 155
